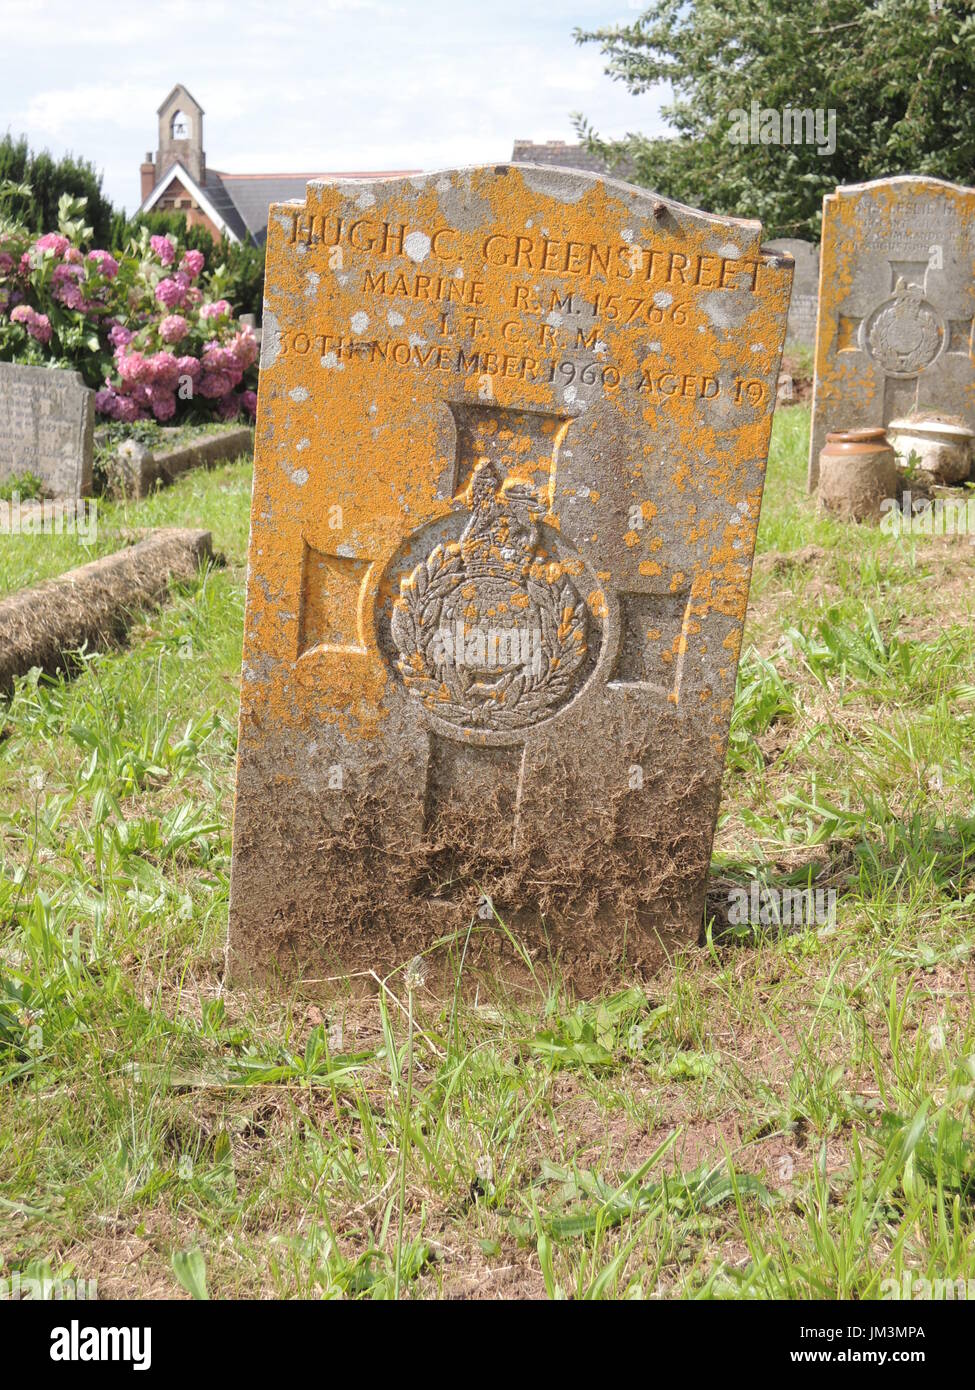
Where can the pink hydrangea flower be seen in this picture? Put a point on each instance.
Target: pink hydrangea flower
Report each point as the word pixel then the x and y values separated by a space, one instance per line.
pixel 106 401
pixel 163 371
pixel 171 293
pixel 189 366
pixel 7 263
pixel 248 400
pixel 215 357
pixel 107 265
pixel 244 347
pixel 119 336
pixel 216 310
pixel 194 294
pixel 132 367
pixel 192 263
pixel 37 325
pixel 215 384
pixel 65 288
pixel 163 247
pixel 52 241
pixel 163 403
pixel 127 409
pixel 173 327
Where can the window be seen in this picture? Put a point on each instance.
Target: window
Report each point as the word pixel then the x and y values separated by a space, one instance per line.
pixel 179 126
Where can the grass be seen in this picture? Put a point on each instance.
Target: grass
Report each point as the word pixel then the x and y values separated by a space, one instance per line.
pixel 216 500
pixel 780 1114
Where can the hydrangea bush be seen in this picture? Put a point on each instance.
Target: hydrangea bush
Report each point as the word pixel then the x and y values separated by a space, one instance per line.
pixel 147 329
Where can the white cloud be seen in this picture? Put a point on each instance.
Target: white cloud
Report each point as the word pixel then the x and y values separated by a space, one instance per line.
pixel 61 112
pixel 331 85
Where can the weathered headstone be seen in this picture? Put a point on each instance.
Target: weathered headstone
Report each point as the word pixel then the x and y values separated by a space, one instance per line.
pixel 511 442
pixel 895 315
pixel 47 422
pixel 801 331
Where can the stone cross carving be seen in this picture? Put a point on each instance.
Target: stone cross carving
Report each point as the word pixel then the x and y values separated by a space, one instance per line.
pixel 895 316
pixel 510 451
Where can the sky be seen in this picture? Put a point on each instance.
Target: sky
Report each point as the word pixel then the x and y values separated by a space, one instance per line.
pixel 295 87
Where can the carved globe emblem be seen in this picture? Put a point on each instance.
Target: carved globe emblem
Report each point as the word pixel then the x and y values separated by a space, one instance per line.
pixel 490 630
pixel 904 334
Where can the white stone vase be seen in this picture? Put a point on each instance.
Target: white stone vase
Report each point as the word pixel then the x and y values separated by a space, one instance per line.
pixel 944 450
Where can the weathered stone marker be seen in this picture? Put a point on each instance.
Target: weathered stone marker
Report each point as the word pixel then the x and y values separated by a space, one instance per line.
pixel 898 299
pixel 511 443
pixel 47 422
pixel 801 330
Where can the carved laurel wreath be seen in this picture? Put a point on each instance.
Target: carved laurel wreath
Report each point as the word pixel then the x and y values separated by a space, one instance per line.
pixel 906 311
pixel 526 693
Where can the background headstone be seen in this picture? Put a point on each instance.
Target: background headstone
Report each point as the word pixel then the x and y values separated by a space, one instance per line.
pixel 801 331
pixel 898 299
pixel 47 422
pixel 511 443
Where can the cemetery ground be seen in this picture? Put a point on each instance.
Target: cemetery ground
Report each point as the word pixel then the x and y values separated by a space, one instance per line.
pixel 781 1113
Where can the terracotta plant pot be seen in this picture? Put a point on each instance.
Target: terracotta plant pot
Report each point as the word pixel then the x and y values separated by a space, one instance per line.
pixel 944 449
pixel 857 471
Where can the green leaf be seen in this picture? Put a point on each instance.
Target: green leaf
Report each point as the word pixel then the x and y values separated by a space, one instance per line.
pixel 190 1271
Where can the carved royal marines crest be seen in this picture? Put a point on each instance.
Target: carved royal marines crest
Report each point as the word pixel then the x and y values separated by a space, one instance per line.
pixel 491 631
pixel 903 335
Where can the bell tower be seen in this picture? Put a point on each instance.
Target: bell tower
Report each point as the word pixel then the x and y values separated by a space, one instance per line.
pixel 181 135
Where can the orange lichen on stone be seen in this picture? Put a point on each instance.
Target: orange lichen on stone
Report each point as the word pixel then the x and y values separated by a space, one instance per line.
pixel 449 598
pixel 597 603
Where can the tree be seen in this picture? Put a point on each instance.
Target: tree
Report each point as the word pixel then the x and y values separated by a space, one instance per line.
pixel 46 179
pixel 898 74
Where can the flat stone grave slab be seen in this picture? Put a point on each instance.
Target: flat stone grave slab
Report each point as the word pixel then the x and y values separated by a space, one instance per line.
pixel 47 421
pixel 894 334
pixel 136 468
pixel 511 442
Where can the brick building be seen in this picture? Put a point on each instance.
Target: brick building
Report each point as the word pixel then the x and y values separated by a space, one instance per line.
pixel 178 179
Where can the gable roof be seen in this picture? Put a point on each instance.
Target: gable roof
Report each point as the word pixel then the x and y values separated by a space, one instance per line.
pixel 186 92
pixel 225 206
pixel 210 199
pixel 239 203
pixel 251 195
